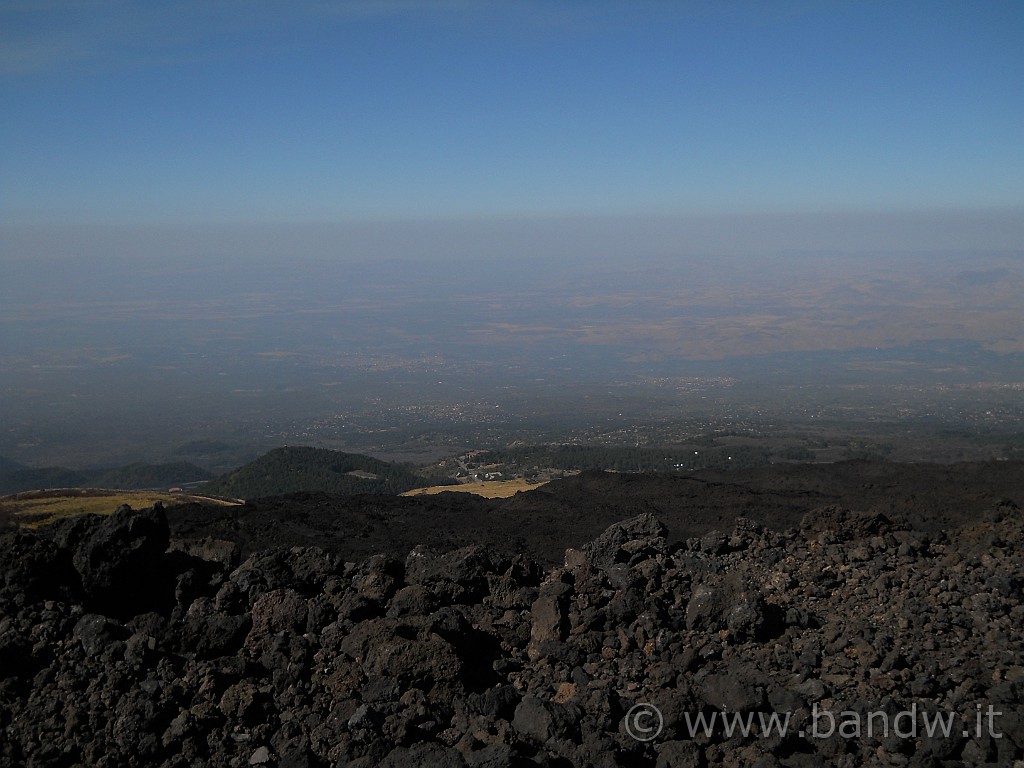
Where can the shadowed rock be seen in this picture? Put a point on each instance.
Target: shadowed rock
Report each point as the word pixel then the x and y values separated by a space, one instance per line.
pixel 121 561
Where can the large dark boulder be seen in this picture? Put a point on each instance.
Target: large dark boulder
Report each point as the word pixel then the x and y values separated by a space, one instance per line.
pixel 121 562
pixel 459 576
pixel 405 650
pixel 610 547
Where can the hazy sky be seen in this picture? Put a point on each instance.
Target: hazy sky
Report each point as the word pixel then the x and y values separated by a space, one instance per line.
pixel 307 110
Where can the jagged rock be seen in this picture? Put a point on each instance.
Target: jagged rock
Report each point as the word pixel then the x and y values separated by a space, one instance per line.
pixel 35 567
pixel 705 607
pixel 280 610
pixel 68 532
pixel 97 634
pixel 542 721
pixel 307 570
pixel 382 578
pixel 550 617
pixel 413 600
pixel 843 524
pixel 243 702
pixel 607 549
pixel 210 633
pixel 402 650
pixel 120 560
pixel 734 603
pixel 459 576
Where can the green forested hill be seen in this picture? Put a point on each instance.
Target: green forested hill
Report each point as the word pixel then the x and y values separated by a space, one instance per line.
pixel 294 470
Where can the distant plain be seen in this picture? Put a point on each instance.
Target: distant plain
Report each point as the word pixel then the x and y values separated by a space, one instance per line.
pixel 217 360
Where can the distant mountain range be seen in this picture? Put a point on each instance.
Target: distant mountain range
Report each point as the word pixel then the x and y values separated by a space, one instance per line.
pixel 16 478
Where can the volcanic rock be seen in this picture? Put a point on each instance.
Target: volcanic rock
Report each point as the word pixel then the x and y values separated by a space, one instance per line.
pixel 116 560
pixel 119 647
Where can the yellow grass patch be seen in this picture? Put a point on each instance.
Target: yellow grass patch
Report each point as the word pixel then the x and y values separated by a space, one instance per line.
pixel 35 508
pixel 498 489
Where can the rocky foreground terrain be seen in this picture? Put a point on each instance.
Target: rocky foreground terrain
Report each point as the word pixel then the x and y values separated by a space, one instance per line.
pixel 121 645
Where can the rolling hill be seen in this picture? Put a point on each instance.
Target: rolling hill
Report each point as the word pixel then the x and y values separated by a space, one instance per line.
pixel 304 470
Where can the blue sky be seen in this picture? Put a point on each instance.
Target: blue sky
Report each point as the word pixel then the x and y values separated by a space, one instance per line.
pixel 222 110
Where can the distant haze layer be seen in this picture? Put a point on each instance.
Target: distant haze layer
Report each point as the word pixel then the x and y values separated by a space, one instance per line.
pixel 375 327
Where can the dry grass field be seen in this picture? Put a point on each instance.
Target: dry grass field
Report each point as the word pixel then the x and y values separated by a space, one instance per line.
pixel 497 489
pixel 35 508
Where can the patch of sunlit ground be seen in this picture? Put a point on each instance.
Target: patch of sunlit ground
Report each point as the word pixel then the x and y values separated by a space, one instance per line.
pixel 496 489
pixel 35 508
